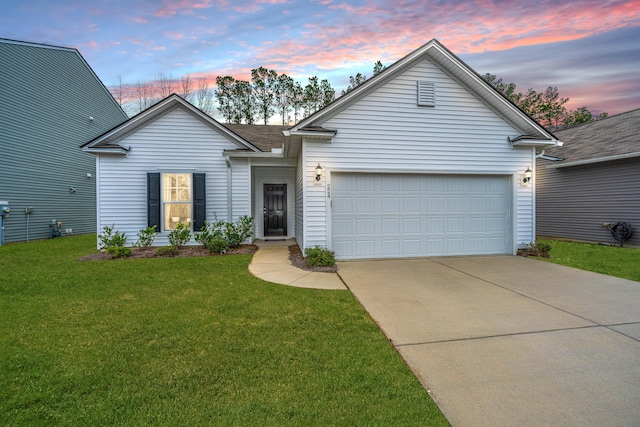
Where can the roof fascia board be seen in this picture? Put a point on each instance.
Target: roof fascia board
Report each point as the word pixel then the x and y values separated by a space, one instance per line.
pixel 488 89
pixel 160 108
pixel 77 52
pixel 598 160
pixel 253 154
pixel 110 150
pixel 483 89
pixel 364 88
pixel 311 134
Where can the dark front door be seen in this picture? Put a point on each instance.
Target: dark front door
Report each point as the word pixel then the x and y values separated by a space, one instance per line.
pixel 275 210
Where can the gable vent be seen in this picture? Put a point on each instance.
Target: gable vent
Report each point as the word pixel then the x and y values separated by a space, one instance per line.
pixel 426 94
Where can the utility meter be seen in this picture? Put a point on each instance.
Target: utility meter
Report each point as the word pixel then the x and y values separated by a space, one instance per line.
pixel 4 208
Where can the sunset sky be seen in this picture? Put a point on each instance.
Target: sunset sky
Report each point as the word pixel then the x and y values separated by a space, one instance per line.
pixel 589 49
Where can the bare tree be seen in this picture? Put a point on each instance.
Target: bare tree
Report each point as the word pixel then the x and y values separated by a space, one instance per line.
pixel 142 96
pixel 120 91
pixel 185 89
pixel 165 85
pixel 205 97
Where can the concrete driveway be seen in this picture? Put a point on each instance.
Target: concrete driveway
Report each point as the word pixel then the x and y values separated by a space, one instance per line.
pixel 510 341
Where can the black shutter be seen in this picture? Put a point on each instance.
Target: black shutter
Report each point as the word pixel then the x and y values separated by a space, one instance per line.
pixel 153 200
pixel 199 202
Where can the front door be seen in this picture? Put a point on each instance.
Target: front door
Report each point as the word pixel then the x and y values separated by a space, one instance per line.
pixel 275 210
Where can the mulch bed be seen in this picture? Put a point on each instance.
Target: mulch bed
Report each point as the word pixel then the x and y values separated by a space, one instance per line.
pixel 297 260
pixel 187 251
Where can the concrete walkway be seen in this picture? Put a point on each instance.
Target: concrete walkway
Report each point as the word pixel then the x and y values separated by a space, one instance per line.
pixel 271 263
pixel 509 341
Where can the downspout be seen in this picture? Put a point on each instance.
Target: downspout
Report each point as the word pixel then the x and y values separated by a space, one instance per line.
pixel 229 193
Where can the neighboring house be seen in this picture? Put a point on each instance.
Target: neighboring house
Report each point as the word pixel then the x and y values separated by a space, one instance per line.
pixel 423 159
pixel 592 180
pixel 51 102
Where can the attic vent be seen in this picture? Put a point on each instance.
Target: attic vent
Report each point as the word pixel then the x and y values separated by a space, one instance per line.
pixel 426 94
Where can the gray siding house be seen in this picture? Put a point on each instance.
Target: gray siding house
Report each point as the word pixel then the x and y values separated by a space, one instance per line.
pixel 592 180
pixel 51 102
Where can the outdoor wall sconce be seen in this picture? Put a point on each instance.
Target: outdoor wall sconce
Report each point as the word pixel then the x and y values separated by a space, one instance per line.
pixel 527 176
pixel 318 172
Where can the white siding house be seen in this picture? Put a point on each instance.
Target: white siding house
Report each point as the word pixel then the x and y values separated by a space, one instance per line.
pixel 424 159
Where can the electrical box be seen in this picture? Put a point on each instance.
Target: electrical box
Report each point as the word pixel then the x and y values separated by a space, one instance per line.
pixel 4 208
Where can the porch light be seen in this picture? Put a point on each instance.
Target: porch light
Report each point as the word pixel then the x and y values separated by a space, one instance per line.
pixel 318 172
pixel 527 176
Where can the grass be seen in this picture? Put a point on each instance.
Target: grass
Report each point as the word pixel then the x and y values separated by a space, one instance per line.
pixel 610 260
pixel 189 341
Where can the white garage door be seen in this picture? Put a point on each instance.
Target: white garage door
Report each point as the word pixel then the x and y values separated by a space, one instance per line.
pixel 388 216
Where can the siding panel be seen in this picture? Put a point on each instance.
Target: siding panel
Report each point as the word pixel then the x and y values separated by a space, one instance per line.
pixel 47 95
pixel 387 132
pixel 574 202
pixel 174 142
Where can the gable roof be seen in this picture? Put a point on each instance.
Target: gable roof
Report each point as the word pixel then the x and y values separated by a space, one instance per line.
pixel 533 134
pixel 31 58
pixel 108 141
pixel 612 138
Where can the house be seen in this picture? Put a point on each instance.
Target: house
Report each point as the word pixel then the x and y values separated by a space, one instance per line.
pixel 51 102
pixel 424 159
pixel 594 179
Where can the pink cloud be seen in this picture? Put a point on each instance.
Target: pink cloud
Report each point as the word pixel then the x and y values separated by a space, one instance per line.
pixel 140 20
pixel 170 8
pixel 173 35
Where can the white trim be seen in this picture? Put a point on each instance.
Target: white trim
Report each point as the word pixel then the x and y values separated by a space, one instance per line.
pixel 159 109
pixel 598 160
pixel 257 192
pixel 514 213
pixel 511 176
pixel 114 150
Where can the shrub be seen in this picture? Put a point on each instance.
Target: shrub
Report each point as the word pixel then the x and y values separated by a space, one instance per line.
pixel 146 236
pixel 119 251
pixel 319 257
pixel 167 251
pixel 211 237
pixel 538 248
pixel 238 232
pixel 181 235
pixel 232 233
pixel 109 239
pixel 218 245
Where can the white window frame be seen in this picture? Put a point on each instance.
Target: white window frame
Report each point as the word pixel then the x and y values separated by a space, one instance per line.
pixel 166 203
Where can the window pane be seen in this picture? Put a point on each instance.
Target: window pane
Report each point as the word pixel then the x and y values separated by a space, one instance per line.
pixel 175 213
pixel 177 187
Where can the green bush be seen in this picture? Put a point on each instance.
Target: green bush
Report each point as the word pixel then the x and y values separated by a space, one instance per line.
pixel 211 237
pixel 539 248
pixel 119 251
pixel 319 257
pixel 167 251
pixel 232 234
pixel 181 235
pixel 108 238
pixel 238 232
pixel 218 245
pixel 146 236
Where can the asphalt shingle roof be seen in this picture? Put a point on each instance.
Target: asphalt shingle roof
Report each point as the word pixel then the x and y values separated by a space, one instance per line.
pixel 615 135
pixel 265 137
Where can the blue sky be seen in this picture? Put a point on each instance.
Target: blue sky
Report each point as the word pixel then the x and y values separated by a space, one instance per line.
pixel 589 49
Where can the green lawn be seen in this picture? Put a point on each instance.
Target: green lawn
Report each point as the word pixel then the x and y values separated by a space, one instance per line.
pixel 611 260
pixel 185 342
